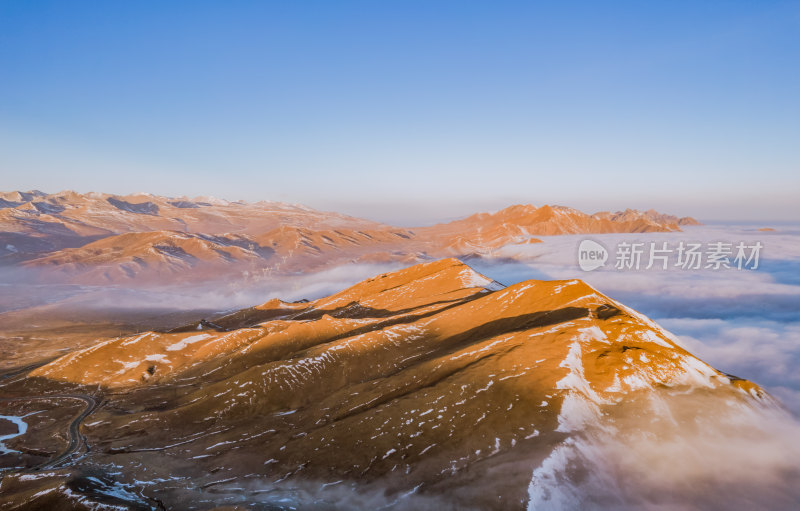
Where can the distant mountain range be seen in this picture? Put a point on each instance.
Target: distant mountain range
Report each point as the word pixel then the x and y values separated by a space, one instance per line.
pixel 99 238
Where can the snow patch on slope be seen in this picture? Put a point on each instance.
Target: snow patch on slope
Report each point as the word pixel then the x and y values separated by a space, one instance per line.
pixel 580 402
pixel 187 341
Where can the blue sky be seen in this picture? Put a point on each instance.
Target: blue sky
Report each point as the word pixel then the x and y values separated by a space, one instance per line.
pixel 405 110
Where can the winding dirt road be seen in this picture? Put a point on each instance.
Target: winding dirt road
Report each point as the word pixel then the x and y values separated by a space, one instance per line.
pixel 76 440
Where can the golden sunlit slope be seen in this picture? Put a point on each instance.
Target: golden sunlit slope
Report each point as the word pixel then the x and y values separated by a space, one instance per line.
pixel 36 221
pixel 632 215
pixel 423 379
pixel 484 231
pixel 437 301
pixel 105 213
pixel 299 248
pixel 170 257
pixel 151 256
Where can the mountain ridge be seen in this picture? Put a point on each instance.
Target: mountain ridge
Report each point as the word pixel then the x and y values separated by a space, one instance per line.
pixel 429 381
pixel 101 239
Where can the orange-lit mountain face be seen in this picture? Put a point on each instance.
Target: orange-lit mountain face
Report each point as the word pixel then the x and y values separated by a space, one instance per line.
pixel 526 220
pixel 145 239
pixel 432 387
pixel 34 222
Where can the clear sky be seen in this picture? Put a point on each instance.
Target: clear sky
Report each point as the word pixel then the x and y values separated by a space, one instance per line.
pixel 409 110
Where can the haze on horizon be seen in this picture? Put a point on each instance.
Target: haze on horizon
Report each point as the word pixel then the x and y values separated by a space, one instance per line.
pixel 370 109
